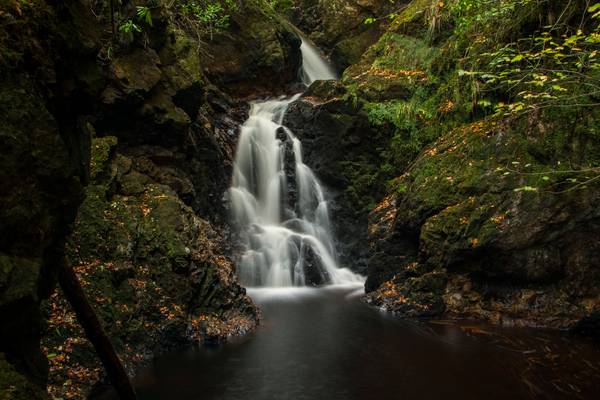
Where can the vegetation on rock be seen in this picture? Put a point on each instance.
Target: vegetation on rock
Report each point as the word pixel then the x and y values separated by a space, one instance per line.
pixel 461 148
pixel 481 127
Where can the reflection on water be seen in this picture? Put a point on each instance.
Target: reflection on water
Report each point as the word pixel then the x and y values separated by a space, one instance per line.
pixel 327 344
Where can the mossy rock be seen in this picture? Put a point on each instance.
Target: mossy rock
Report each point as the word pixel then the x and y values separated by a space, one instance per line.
pixel 391 69
pixel 137 72
pixel 102 152
pixel 476 203
pixel 145 257
pixel 259 48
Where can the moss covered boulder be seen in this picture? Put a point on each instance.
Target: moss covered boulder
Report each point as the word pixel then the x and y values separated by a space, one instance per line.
pixel 494 208
pixel 338 144
pixel 471 215
pixel 155 272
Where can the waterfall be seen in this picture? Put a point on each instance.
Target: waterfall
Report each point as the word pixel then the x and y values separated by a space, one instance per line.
pixel 313 66
pixel 278 205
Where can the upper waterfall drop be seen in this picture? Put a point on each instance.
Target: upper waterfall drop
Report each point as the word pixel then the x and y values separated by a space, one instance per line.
pixel 278 204
pixel 314 67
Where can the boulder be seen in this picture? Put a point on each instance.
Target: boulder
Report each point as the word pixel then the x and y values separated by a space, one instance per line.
pixel 155 272
pixel 335 134
pixel 259 51
pixel 514 251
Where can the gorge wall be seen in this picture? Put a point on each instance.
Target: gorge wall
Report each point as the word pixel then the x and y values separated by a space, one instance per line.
pixel 148 122
pixel 472 215
pixel 44 167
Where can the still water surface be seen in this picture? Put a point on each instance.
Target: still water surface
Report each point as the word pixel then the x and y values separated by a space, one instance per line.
pixel 327 344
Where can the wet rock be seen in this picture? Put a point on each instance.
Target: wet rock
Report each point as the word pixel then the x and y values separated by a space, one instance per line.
pixel 412 296
pixel 290 192
pixel 260 51
pixel 314 273
pixel 335 134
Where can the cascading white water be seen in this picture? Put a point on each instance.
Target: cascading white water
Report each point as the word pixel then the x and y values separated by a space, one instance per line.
pixel 278 204
pixel 314 68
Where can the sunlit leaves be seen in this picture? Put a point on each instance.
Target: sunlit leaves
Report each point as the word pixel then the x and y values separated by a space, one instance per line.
pixel 369 21
pixel 144 14
pixel 209 16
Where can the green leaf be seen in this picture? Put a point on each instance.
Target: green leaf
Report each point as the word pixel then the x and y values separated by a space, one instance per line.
pixel 369 21
pixel 526 189
pixel 594 8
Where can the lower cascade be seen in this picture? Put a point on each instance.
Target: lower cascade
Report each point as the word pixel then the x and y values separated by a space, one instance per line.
pixel 278 204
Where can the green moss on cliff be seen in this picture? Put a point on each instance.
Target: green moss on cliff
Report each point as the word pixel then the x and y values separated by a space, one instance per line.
pixel 474 190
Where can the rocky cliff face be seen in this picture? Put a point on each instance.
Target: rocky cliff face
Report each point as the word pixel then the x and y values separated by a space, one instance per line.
pixel 460 241
pixel 43 167
pixel 476 222
pixel 160 117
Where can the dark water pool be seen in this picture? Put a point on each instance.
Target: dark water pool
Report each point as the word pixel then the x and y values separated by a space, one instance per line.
pixel 327 344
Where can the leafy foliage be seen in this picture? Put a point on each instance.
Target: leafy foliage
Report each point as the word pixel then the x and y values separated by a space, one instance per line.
pixel 129 28
pixel 553 68
pixel 526 64
pixel 469 14
pixel 203 17
pixel 144 14
pixel 210 16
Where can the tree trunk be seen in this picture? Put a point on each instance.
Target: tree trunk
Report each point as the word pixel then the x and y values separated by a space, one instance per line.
pixel 94 332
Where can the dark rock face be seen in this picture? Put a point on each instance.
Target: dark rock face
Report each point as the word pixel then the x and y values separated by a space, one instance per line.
pixel 314 273
pixel 334 134
pixel 43 169
pixel 290 195
pixel 260 52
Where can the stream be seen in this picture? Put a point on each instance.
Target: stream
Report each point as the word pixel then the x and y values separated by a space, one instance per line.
pixel 327 344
